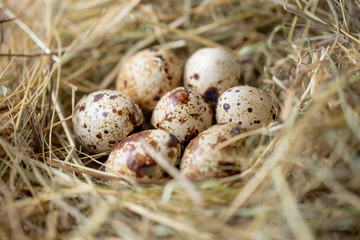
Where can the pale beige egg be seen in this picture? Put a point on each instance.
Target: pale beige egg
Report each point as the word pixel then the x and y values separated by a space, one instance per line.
pixel 183 112
pixel 211 71
pixel 104 118
pixel 148 75
pixel 131 158
pixel 247 106
pixel 201 159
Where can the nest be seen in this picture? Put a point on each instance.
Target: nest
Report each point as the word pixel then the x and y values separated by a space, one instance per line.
pixel 303 180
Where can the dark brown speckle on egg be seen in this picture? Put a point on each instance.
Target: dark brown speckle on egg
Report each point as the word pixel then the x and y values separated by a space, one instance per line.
pixel 191 134
pixel 211 94
pixel 167 117
pixel 98 97
pixel 226 106
pixel 160 57
pixel 154 49
pixel 134 118
pixel 173 141
pixel 235 131
pixel 180 96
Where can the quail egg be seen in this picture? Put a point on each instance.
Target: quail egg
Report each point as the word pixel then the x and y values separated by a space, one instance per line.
pixel 211 71
pixel 131 159
pixel 148 75
pixel 200 161
pixel 104 118
pixel 183 112
pixel 247 106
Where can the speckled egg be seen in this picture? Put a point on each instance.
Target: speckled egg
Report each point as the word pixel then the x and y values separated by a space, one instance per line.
pixel 211 71
pixel 131 158
pixel 183 112
pixel 247 106
pixel 200 161
pixel 148 75
pixel 104 118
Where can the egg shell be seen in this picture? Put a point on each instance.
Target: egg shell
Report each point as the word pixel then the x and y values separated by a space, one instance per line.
pixel 247 106
pixel 183 112
pixel 130 157
pixel 211 71
pixel 104 118
pixel 200 161
pixel 148 75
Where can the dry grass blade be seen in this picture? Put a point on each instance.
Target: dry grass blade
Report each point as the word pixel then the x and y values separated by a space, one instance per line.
pixel 12 213
pixel 180 33
pixel 6 20
pixel 30 33
pixel 160 218
pixel 251 186
pixel 288 205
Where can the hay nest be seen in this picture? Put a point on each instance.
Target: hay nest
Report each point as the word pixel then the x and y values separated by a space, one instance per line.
pixel 304 180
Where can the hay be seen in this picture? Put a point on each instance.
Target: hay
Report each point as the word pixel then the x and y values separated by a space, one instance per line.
pixel 303 182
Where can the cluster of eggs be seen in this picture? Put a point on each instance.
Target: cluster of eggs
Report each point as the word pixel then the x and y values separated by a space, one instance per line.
pixel 183 117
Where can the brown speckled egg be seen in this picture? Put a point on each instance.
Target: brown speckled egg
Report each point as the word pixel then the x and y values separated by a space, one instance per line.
pixel 201 162
pixel 247 106
pixel 130 157
pixel 104 118
pixel 211 71
pixel 183 112
pixel 148 75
